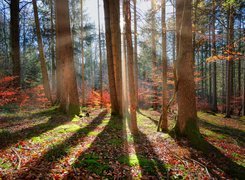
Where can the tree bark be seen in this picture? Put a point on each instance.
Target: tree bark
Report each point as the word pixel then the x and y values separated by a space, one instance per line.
pixel 15 41
pixel 229 62
pixel 68 85
pixel 214 75
pixel 82 50
pixel 100 56
pixel 110 62
pixel 187 114
pixel 132 94
pixel 164 120
pixel 44 70
pixel 136 52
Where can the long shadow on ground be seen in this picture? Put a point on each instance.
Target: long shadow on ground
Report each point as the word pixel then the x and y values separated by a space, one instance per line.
pixel 153 120
pixel 101 159
pixel 216 158
pixel 59 151
pixel 237 134
pixel 151 165
pixel 56 119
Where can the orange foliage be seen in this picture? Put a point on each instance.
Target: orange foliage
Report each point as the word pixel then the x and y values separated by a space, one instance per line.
pixel 94 99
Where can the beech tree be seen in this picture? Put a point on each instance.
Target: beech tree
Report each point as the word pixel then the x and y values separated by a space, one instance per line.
pixel 69 102
pixel 187 115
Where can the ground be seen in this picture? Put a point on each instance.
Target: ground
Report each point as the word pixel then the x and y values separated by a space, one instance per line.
pixel 49 145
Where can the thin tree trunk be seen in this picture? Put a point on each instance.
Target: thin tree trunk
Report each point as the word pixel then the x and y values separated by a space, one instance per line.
pixel 229 62
pixel 82 49
pixel 100 55
pixel 44 70
pixel 214 75
pixel 15 40
pixel 133 119
pixel 164 119
pixel 136 52
pixel 53 47
pixel 154 54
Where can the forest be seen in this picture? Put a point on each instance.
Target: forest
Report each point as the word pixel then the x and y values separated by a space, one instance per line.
pixel 122 89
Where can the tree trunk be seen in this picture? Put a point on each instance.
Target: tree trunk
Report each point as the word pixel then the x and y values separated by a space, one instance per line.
pixel 136 53
pixel 154 54
pixel 44 70
pixel 110 63
pixel 133 119
pixel 164 120
pixel 229 62
pixel 53 46
pixel 187 114
pixel 100 55
pixel 15 41
pixel 214 75
pixel 116 48
pixel 82 49
pixel 68 85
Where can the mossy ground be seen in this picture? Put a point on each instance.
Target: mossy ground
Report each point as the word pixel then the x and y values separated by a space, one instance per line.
pixel 45 143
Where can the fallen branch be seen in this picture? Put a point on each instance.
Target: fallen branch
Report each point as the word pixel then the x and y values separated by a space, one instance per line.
pixel 19 158
pixel 200 165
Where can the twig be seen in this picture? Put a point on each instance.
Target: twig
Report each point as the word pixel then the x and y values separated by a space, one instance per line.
pixel 200 165
pixel 19 158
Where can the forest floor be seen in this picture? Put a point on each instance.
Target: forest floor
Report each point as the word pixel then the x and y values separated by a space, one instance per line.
pixel 48 145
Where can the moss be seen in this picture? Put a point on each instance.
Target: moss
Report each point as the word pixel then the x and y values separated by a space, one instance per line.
pixel 73 109
pixel 70 128
pixel 93 133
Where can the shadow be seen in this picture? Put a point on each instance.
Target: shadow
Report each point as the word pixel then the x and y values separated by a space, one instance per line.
pixel 216 159
pixel 101 159
pixel 149 161
pixel 57 152
pixel 237 134
pixel 153 120
pixel 56 119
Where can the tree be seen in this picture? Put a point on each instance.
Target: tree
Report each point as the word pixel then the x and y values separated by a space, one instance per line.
pixel 131 70
pixel 164 120
pixel 82 49
pixel 229 62
pixel 113 47
pixel 135 52
pixel 187 115
pixel 100 56
pixel 45 77
pixel 214 74
pixel 15 40
pixel 69 102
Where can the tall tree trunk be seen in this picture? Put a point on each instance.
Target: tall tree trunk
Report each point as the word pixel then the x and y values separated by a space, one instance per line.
pixel 136 52
pixel 15 40
pixel 69 101
pixel 209 69
pixel 187 114
pixel 44 70
pixel 132 94
pixel 110 62
pixel 82 49
pixel 229 62
pixel 100 55
pixel 214 75
pixel 164 119
pixel 154 53
pixel 116 48
pixel 53 46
